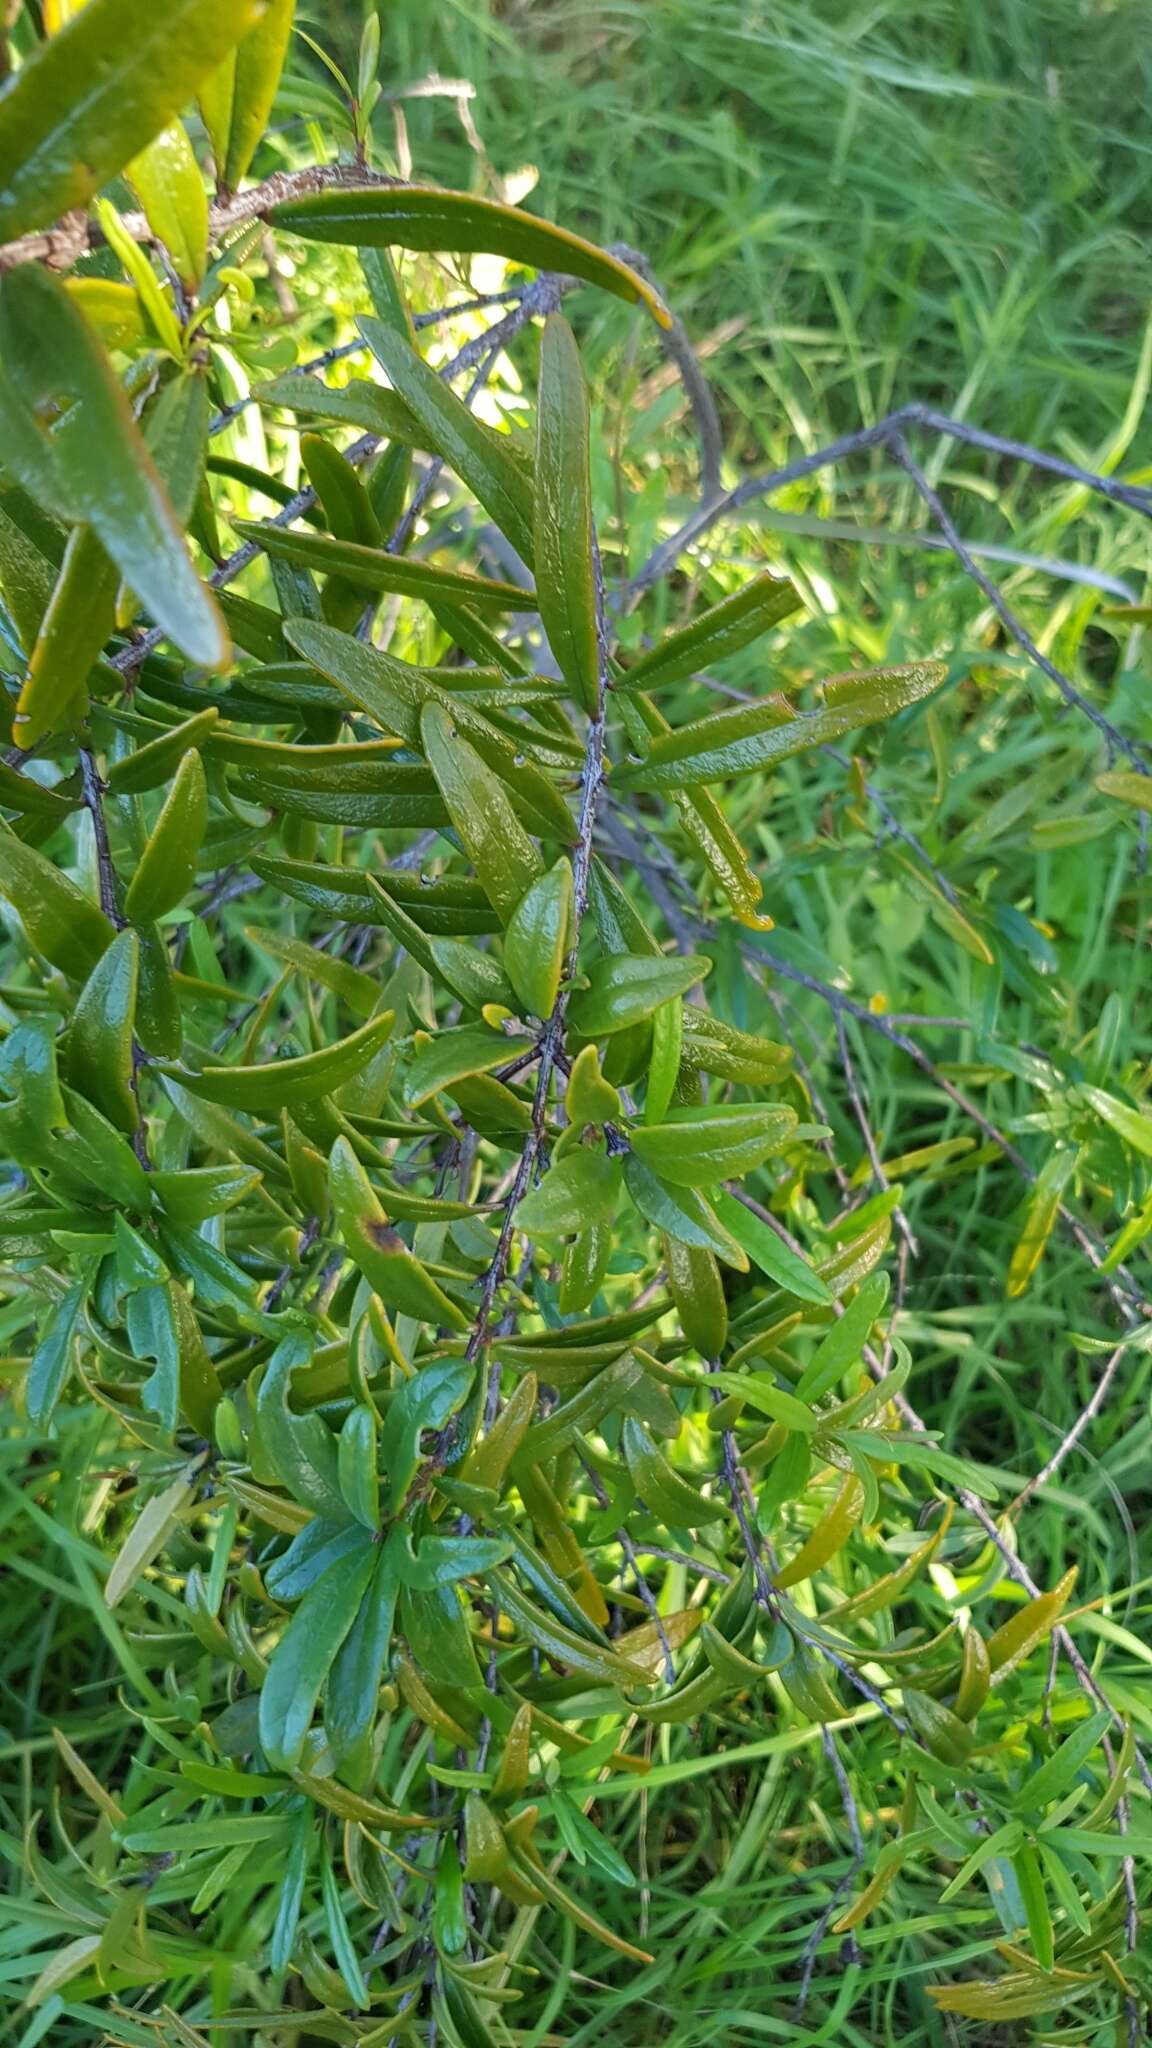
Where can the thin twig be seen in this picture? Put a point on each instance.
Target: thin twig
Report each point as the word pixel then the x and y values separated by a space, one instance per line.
pixel 1072 1436
pixel 1116 740
pixel 93 787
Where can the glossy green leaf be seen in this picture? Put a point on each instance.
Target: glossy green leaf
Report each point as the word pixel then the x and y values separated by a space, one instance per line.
pixel 300 1448
pixel 488 468
pixel 580 1190
pixel 424 217
pixel 373 569
pixel 356 1465
pixel 461 1050
pixel 842 1347
pixel 378 1249
pixel 158 759
pixel 625 988
pixel 426 1401
pixel 95 456
pixel 589 1098
pixel 660 1486
pixel 167 866
pixel 564 540
pixel 52 1358
pixel 714 634
pixel 60 920
pixel 78 619
pixel 395 693
pixel 265 1090
pixel 681 1213
pixel 537 939
pixel 769 1252
pixel 698 1147
pixel 358 1669
pixel 166 180
pixel 100 1054
pixel 304 1655
pixel 696 1287
pixel 750 739
pixel 506 860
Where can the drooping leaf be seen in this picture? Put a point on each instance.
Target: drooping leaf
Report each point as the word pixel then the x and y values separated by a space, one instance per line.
pixel 95 458
pixel 423 217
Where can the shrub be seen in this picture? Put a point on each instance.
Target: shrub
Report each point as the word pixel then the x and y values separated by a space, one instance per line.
pixel 465 1396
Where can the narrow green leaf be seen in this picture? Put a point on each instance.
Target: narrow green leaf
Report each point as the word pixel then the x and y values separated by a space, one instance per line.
pixel 564 542
pixel 424 217
pixel 302 1659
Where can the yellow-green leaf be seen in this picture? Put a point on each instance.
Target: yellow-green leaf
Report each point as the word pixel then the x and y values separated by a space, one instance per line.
pixel 88 100
pixel 166 180
pixel 236 99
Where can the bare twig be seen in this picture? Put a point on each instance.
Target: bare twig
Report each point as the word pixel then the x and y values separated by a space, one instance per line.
pixel 93 788
pixel 1116 740
pixel 1072 1436
pixel 64 244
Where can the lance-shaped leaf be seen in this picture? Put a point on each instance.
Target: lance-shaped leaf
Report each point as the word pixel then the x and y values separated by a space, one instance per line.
pixel 775 1259
pixel 167 866
pixel 100 1060
pixel 91 97
pixel 62 923
pixel 681 1212
pixel 236 98
pixel 452 1055
pixel 98 466
pixel 1016 1638
pixel 379 1251
pixel 147 1536
pixel 714 634
pixel 394 693
pixel 303 1657
pixel 449 904
pixel 660 1486
pixel 564 549
pixel 844 1344
pixel 301 1449
pixel 627 987
pixel 426 1401
pixel 703 821
pixel 374 569
pixel 52 1358
pixel 751 739
pixel 79 617
pixel 506 860
pixel 698 1147
pixel 424 217
pixel 489 469
pixel 354 1681
pixel 1040 1218
pixel 537 938
pixel 696 1287
pixel 265 1090
pixel 158 759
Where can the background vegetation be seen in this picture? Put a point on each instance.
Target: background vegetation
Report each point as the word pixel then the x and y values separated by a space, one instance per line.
pixel 850 209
